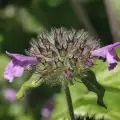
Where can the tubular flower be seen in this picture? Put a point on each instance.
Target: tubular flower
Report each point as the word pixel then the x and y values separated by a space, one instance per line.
pixel 108 53
pixel 60 50
pixel 15 68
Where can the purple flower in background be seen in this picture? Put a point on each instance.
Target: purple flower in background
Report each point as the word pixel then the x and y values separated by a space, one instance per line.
pixel 47 109
pixel 10 95
pixel 15 68
pixel 108 53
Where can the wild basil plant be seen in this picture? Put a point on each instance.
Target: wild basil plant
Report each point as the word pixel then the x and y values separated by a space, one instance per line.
pixel 62 57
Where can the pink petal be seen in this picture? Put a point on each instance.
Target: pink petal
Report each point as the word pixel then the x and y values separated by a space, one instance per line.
pixel 117 44
pixel 103 51
pixel 99 52
pixel 23 59
pixel 110 58
pixel 12 70
pixel 8 73
pixel 16 67
pixel 114 54
pixel 18 71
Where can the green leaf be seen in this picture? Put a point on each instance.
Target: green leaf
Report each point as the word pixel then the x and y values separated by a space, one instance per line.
pixel 34 81
pixel 91 83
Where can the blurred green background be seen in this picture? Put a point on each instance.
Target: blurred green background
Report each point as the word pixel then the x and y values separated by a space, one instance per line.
pixel 22 20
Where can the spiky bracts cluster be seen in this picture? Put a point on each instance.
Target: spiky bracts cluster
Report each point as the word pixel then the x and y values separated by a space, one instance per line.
pixel 60 50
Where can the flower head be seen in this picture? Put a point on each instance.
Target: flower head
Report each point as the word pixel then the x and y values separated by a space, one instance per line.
pixel 16 66
pixel 108 53
pixel 10 94
pixel 60 50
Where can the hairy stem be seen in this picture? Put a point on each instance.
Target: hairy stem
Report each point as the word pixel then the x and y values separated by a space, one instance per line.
pixel 69 102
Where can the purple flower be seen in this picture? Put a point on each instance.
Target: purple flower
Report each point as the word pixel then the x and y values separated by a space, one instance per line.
pixel 90 62
pixel 47 109
pixel 10 94
pixel 108 53
pixel 15 68
pixel 68 74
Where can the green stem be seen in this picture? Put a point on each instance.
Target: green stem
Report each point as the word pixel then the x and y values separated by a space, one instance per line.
pixel 69 102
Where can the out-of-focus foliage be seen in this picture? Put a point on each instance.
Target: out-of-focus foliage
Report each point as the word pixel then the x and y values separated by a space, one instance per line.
pixel 21 20
pixel 117 12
